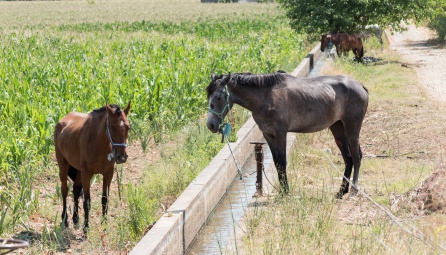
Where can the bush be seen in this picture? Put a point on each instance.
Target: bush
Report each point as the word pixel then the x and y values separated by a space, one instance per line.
pixel 439 25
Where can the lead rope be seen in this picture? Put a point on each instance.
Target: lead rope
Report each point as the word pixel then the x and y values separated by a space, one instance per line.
pixel 112 156
pixel 225 130
pixel 119 181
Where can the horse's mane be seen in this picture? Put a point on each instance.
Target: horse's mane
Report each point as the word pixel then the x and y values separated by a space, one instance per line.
pixel 259 80
pixel 103 109
pixel 249 80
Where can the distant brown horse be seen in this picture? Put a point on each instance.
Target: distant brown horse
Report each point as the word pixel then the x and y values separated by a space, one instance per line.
pixel 88 144
pixel 344 43
pixel 281 103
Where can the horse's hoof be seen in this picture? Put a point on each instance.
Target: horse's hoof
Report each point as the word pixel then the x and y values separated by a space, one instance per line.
pixel 354 191
pixel 339 195
pixel 82 238
pixel 283 192
pixel 86 232
pixel 64 224
pixel 75 220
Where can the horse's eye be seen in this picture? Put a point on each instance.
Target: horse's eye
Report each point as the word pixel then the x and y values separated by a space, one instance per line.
pixel 218 98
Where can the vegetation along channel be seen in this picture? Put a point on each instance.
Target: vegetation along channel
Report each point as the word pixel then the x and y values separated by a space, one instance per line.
pixel 58 57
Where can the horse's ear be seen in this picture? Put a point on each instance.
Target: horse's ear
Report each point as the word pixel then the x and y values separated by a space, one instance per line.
pixel 127 109
pixel 109 109
pixel 213 76
pixel 227 79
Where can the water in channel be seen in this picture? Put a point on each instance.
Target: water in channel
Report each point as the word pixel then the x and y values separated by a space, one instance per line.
pixel 220 228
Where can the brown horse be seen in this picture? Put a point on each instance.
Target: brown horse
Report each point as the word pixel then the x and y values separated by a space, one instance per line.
pixel 281 103
pixel 344 43
pixel 88 144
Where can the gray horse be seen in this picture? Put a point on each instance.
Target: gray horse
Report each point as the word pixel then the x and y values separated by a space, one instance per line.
pixel 281 103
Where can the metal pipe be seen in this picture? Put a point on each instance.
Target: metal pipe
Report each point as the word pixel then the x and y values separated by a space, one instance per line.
pixel 258 150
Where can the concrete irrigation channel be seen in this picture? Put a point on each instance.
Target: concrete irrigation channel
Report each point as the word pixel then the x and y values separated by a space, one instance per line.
pixel 202 219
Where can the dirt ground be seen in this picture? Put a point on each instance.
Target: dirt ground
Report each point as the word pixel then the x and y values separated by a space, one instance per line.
pixel 417 46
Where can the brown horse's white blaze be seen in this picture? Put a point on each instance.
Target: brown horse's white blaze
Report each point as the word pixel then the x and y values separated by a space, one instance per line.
pixel 281 103
pixel 88 144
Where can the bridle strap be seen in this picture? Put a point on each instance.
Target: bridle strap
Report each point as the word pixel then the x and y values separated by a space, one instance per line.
pixel 220 114
pixel 111 139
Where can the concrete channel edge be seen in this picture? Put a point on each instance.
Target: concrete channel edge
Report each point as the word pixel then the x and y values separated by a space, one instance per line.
pixel 175 231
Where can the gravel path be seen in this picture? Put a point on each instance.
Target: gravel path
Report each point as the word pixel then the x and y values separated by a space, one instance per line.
pixel 416 46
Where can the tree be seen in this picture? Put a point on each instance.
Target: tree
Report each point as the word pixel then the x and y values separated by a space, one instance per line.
pixel 439 25
pixel 316 17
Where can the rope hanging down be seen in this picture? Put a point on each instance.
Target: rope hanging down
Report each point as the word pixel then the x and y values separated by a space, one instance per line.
pixel 225 130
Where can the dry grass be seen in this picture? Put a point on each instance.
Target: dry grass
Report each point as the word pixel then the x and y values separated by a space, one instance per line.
pixel 403 138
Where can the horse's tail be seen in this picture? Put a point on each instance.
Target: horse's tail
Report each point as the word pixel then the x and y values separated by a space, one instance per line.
pixel 72 173
pixel 366 90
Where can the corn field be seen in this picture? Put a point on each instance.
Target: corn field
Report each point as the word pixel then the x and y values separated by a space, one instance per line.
pixel 162 67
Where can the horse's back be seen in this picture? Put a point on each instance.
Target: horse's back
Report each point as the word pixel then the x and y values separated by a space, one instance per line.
pixel 340 90
pixel 352 94
pixel 314 104
pixel 350 41
pixel 67 135
pixel 345 86
pixel 71 122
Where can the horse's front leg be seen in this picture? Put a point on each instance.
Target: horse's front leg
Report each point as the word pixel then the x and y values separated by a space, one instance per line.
pixel 105 192
pixel 77 191
pixel 277 145
pixel 339 51
pixel 86 177
pixel 357 53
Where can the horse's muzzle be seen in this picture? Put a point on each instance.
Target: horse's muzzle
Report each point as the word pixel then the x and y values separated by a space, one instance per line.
pixel 213 127
pixel 121 159
pixel 213 123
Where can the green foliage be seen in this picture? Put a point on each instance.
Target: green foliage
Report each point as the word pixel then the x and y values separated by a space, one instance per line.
pixel 322 16
pixel 439 25
pixel 171 175
pixel 163 68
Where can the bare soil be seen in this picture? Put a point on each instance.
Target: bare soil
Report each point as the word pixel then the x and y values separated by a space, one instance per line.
pixel 419 48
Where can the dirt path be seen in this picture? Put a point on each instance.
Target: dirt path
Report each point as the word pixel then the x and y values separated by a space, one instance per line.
pixel 418 48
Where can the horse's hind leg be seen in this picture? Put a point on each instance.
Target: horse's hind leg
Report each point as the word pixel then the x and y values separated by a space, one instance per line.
pixel 337 129
pixel 356 153
pixel 64 190
pixel 63 176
